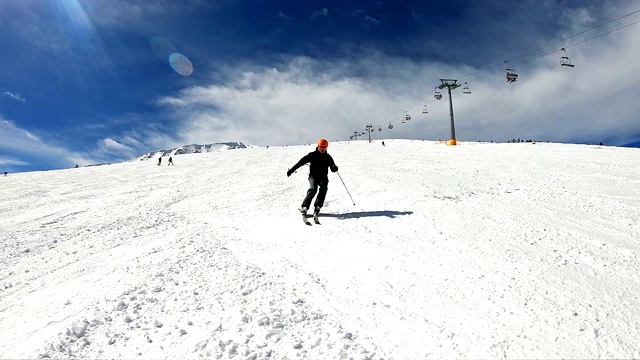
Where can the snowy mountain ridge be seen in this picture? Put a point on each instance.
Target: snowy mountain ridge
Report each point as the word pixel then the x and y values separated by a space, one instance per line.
pixel 194 149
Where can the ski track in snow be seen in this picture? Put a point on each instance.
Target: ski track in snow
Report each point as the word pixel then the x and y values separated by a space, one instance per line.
pixel 474 251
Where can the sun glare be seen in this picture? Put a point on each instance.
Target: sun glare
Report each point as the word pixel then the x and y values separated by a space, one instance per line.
pixel 180 64
pixel 79 18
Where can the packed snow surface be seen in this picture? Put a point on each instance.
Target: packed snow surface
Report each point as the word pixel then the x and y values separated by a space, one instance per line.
pixel 473 251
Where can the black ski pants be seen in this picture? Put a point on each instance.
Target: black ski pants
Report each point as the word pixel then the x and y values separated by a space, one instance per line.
pixel 313 188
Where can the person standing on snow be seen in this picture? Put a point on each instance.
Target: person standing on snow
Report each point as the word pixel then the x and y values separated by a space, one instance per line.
pixel 319 163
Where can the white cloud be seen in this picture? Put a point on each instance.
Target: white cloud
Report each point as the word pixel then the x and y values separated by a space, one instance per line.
pixel 15 96
pixel 22 143
pixel 418 17
pixel 294 104
pixel 112 150
pixel 30 136
pixel 11 161
pixel 366 21
pixel 369 22
pixel 131 142
pixel 133 13
pixel 14 138
pixel 324 12
pixel 282 15
pixel 113 145
pixel 307 99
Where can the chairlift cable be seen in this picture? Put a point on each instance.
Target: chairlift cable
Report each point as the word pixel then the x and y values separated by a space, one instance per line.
pixel 402 116
pixel 538 57
pixel 420 101
pixel 574 35
pixel 555 51
pixel 597 36
pixel 557 42
pixel 583 41
pixel 578 43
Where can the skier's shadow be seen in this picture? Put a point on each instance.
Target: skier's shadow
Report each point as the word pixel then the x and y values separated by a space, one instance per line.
pixel 361 214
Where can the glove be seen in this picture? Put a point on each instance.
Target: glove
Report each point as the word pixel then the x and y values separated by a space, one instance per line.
pixel 289 172
pixel 334 168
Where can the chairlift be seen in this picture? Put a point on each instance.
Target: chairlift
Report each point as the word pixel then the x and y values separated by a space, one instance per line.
pixel 437 94
pixel 390 126
pixel 407 117
pixel 379 129
pixel 512 76
pixel 564 61
pixel 465 89
pixel 403 121
pixel 424 110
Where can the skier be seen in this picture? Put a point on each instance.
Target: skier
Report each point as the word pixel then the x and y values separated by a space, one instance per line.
pixel 319 163
pixel 5 173
pixel 170 161
pixel 383 144
pixel 160 161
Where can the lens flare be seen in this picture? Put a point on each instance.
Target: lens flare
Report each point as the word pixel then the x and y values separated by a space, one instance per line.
pixel 161 47
pixel 180 64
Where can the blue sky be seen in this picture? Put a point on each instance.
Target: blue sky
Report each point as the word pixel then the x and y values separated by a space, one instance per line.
pixel 84 82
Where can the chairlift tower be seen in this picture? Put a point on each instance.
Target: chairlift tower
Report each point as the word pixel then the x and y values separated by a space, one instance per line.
pixel 369 127
pixel 450 84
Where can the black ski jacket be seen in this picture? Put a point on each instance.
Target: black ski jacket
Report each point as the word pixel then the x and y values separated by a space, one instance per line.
pixel 319 164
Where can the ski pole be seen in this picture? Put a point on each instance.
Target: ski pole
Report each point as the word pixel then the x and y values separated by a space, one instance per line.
pixel 345 187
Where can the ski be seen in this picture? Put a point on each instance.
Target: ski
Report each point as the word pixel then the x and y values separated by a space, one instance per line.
pixel 315 219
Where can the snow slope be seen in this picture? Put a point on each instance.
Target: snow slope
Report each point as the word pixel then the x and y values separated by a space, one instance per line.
pixel 475 251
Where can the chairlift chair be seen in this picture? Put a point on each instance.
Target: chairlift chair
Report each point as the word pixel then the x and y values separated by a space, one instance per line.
pixel 407 116
pixel 390 126
pixel 465 89
pixel 512 76
pixel 379 129
pixel 437 94
pixel 564 61
pixel 424 110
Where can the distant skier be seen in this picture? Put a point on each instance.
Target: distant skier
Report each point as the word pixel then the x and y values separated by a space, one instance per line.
pixel 160 161
pixel 5 173
pixel 170 161
pixel 383 144
pixel 319 163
